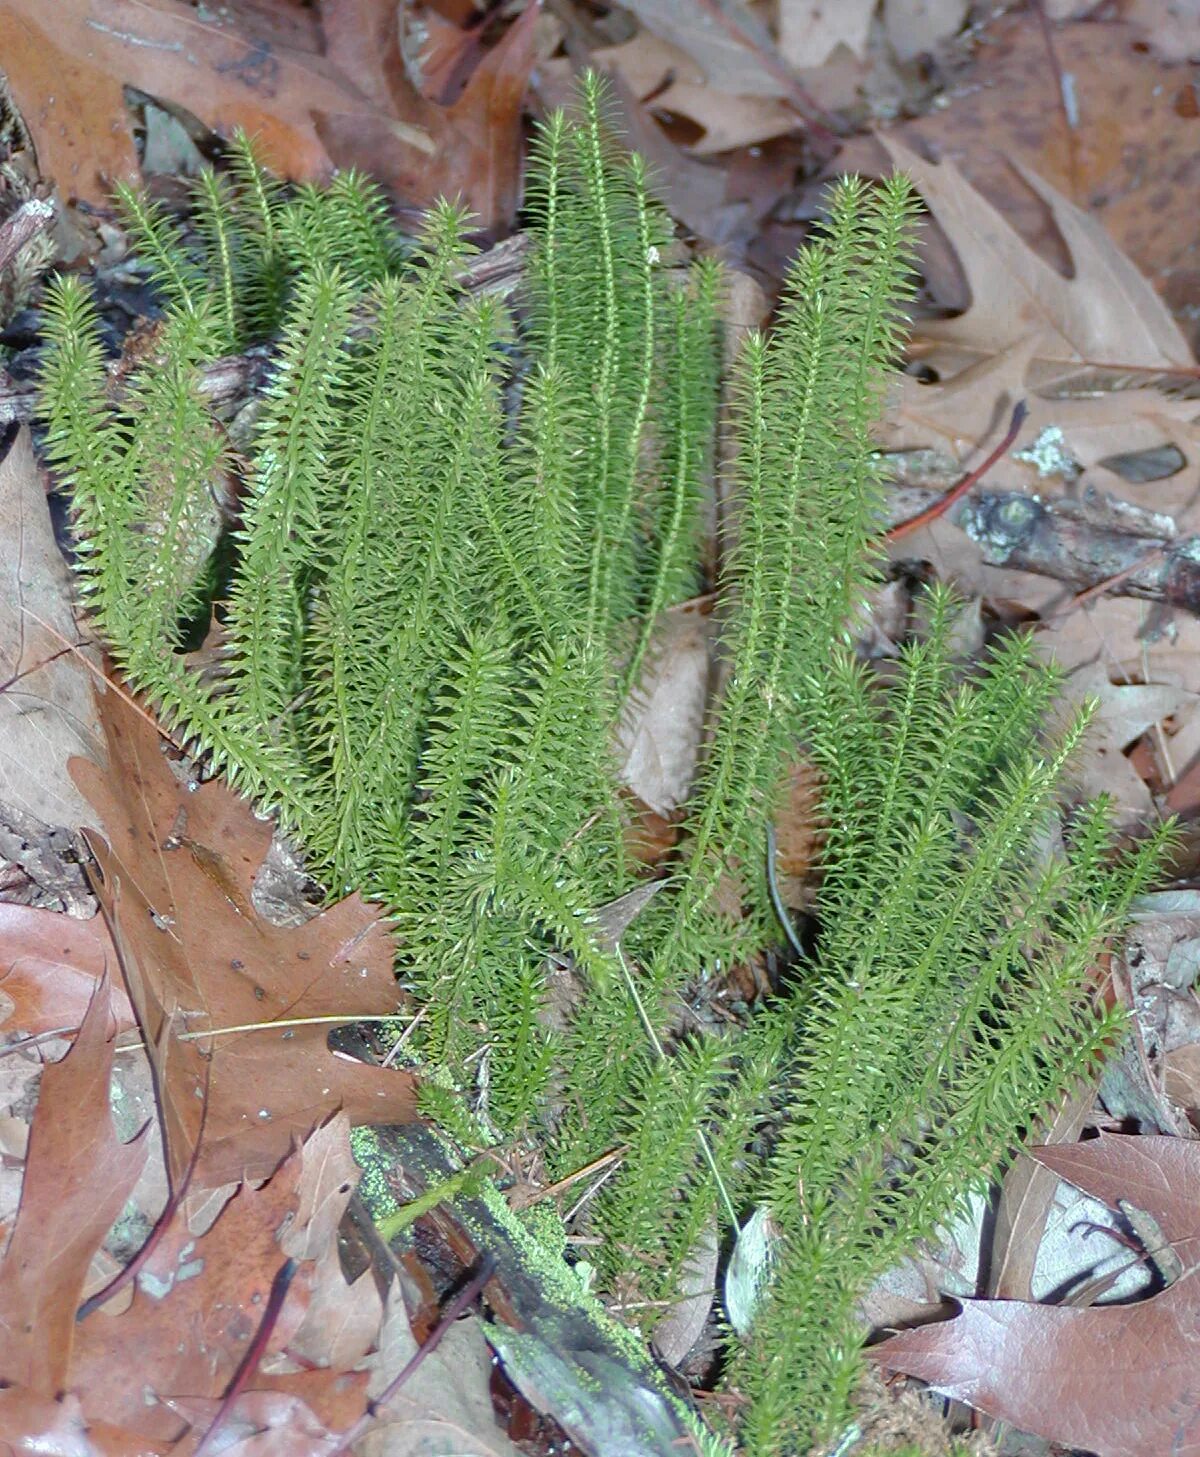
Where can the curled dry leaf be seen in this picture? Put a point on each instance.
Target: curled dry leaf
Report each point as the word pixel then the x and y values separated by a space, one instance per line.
pixel 660 729
pixel 177 873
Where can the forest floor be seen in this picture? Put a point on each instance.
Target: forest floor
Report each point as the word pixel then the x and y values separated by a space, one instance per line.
pixel 1055 146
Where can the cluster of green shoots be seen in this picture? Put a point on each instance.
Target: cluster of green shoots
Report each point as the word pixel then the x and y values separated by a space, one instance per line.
pixel 458 524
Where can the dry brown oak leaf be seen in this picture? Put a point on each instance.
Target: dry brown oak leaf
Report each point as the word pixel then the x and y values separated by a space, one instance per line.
pixel 1122 1381
pixel 177 868
pixel 132 1380
pixel 1104 315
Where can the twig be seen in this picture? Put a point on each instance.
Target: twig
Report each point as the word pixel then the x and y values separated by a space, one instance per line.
pixel 1147 559
pixel 466 1296
pixel 606 1160
pixel 30 219
pixel 236 377
pixel 956 493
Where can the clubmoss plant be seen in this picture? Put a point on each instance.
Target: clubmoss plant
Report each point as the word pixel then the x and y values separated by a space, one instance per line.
pixel 459 524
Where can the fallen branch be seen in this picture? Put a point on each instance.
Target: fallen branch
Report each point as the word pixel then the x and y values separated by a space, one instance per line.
pixel 1094 544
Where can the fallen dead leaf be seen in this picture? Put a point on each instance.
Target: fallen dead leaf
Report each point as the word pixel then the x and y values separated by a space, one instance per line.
pixel 1171 28
pixel 342 1322
pixel 49 966
pixel 726 40
pixel 659 735
pixel 58 1428
pixel 1092 433
pixel 1145 673
pixel 1026 1194
pixel 798 823
pixel 1160 1176
pixel 811 30
pixel 177 876
pixel 655 68
pixel 350 104
pixel 46 708
pixel 1131 159
pixel 1105 314
pixel 1181 1077
pixel 918 27
pixel 197 1303
pixel 682 1325
pixel 68 68
pixel 475 141
pixel 1120 1382
pixel 445 1407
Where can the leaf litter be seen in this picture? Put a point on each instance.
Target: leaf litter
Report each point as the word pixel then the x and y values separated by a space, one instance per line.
pixel 1047 258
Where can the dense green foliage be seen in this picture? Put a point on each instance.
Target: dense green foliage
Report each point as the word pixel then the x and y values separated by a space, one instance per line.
pixel 460 524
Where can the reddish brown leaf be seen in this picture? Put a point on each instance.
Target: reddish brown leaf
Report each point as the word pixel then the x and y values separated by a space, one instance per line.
pixel 1158 1175
pixel 196 1308
pixel 178 873
pixel 1120 1382
pixel 77 1179
pixel 49 966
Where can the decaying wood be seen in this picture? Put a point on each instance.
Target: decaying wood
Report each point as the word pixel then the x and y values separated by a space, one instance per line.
pixel 234 379
pixel 30 219
pixel 1090 542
